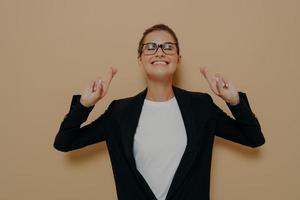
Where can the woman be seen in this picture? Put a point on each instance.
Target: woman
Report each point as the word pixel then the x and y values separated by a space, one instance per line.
pixel 160 140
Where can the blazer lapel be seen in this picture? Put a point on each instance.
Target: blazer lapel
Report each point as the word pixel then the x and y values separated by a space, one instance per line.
pixel 191 150
pixel 129 124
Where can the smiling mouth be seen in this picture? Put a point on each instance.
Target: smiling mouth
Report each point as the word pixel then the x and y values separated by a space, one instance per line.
pixel 160 62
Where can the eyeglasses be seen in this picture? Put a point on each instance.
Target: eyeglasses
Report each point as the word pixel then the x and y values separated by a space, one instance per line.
pixel 151 48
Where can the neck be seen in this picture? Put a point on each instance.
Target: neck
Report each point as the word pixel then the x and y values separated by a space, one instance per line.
pixel 159 91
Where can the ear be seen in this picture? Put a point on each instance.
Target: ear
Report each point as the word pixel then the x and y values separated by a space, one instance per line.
pixel 139 59
pixel 179 59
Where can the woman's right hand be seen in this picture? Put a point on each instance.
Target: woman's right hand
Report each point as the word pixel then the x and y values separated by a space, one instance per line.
pixel 97 89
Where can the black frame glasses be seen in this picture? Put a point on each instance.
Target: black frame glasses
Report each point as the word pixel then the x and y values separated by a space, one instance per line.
pixel 169 48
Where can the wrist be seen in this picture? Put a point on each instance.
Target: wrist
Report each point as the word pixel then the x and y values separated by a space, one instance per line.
pixel 235 100
pixel 84 104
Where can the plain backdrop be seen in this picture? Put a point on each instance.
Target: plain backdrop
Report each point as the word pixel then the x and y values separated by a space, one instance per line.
pixel 51 49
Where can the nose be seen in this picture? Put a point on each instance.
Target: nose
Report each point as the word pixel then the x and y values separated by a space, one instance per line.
pixel 159 52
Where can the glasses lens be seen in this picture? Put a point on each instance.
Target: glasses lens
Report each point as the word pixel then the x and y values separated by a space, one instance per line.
pixel 150 48
pixel 169 48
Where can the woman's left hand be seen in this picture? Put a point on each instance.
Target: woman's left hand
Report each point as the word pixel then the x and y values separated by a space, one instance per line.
pixel 221 87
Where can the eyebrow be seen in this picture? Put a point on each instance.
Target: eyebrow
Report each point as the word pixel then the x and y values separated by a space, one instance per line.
pixel 160 43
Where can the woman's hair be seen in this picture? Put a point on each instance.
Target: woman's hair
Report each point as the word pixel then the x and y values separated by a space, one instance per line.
pixel 157 27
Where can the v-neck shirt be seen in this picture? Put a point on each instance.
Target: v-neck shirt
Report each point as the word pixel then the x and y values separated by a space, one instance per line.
pixel 159 144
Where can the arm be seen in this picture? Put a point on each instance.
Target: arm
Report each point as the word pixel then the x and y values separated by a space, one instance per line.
pixel 71 136
pixel 244 129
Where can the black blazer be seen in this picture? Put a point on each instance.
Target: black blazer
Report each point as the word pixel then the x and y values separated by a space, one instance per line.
pixel 203 119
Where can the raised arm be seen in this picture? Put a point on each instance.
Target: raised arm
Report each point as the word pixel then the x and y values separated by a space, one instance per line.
pixel 70 135
pixel 245 128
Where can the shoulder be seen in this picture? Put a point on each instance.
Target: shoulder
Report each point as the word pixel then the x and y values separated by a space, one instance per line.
pixel 199 103
pixel 194 95
pixel 121 104
pixel 126 100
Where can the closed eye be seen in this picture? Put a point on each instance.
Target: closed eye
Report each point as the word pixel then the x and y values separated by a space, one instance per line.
pixel 168 47
pixel 151 46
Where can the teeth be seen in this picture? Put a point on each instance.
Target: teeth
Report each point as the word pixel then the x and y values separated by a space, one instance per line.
pixel 160 62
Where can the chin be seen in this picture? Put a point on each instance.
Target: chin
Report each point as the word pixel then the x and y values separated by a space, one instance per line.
pixel 161 68
pixel 160 76
pixel 160 71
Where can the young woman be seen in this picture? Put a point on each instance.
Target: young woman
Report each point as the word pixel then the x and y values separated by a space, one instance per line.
pixel 160 141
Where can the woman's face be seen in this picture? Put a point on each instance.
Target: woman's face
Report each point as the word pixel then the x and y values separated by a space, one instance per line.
pixel 159 66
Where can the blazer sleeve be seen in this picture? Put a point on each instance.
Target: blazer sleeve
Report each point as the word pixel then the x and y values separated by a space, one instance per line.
pixel 71 136
pixel 245 129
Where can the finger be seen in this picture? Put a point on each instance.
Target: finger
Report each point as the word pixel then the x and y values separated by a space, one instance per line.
pixel 225 81
pixel 114 71
pixel 99 86
pixel 204 71
pixel 208 76
pixel 109 77
pixel 213 85
pixel 90 86
pixel 96 83
pixel 221 80
pixel 94 86
pixel 219 85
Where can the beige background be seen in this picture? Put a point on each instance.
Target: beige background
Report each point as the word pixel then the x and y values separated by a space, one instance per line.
pixel 49 50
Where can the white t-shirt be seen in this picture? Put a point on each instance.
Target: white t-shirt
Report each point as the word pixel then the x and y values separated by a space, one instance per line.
pixel 159 144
